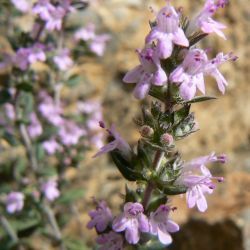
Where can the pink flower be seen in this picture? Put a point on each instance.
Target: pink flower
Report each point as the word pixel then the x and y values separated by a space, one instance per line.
pixel 51 146
pixel 117 143
pixel 148 73
pixel 212 69
pixel 22 5
pixel 70 133
pixel 190 73
pixel 167 32
pixel 63 60
pixel 35 128
pixel 10 111
pixel 14 202
pixel 161 225
pixel 111 241
pixel 37 53
pixel 21 60
pixel 132 221
pixel 101 217
pixel 50 190
pixel 86 34
pixel 54 21
pixel 204 20
pixel 199 180
pixel 50 110
pixel 43 9
pixel 98 44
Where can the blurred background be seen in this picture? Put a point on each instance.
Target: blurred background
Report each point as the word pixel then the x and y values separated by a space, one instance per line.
pixel 224 123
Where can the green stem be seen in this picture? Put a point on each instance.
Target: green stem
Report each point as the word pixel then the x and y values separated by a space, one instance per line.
pixel 8 228
pixel 159 155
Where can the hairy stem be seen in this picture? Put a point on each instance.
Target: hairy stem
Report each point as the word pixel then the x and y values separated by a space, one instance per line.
pixel 159 155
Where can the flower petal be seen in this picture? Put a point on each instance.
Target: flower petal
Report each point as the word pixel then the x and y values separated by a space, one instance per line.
pixel 133 75
pixel 164 237
pixel 180 38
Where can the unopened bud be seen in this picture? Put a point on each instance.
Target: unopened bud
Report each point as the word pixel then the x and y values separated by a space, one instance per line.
pixel 167 139
pixel 146 131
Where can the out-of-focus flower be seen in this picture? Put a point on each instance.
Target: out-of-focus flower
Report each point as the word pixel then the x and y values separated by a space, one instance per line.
pixel 14 202
pixel 132 221
pixel 161 225
pixel 10 111
pixel 111 241
pixel 63 60
pixel 21 60
pixel 35 128
pixel 70 133
pixel 22 5
pixel 51 146
pixel 43 9
pixel 50 190
pixel 148 73
pixel 167 32
pixel 37 53
pixel 101 217
pixel 96 43
pixel 50 110
pixel 55 19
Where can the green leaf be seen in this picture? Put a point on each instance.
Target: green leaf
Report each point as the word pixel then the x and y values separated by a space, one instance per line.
pixel 156 202
pixel 70 196
pixel 25 103
pixel 196 37
pixel 40 153
pixel 25 87
pixel 125 167
pixel 174 190
pixel 143 155
pixel 74 80
pixel 153 244
pixel 200 99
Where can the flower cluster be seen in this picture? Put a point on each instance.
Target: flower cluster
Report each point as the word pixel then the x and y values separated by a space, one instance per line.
pixel 133 222
pixel 172 68
pixel 49 131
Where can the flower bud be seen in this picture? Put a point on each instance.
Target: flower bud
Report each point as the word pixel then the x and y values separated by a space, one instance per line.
pixel 146 131
pixel 167 139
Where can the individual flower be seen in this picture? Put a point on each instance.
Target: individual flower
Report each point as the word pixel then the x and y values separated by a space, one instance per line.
pixel 204 19
pixel 20 60
pixel 189 74
pixel 50 110
pixel 37 53
pixel 63 60
pixel 55 19
pixel 14 202
pixel 117 143
pixel 161 225
pixel 199 180
pixel 148 73
pixel 22 5
pixel 132 221
pixel 101 217
pixel 70 133
pixel 51 146
pixel 50 190
pixel 111 241
pixel 43 9
pixel 35 128
pixel 96 43
pixel 211 69
pixel 10 111
pixel 87 33
pixel 167 32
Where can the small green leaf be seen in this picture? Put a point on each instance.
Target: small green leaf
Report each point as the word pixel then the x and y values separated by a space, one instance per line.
pixel 181 114
pixel 4 96
pixel 74 80
pixel 200 99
